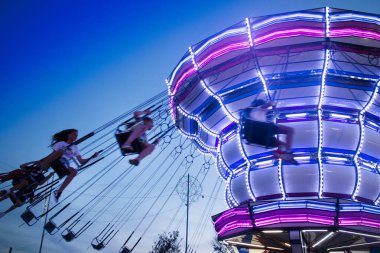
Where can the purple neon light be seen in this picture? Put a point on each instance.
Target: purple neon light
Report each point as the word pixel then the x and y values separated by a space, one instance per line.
pixel 228 220
pixel 344 32
pixel 291 218
pixel 289 33
pixel 223 51
pixel 234 225
pixel 231 213
pixel 359 221
pixel 298 218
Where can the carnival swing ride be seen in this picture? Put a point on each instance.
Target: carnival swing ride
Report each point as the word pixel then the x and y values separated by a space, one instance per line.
pixel 321 69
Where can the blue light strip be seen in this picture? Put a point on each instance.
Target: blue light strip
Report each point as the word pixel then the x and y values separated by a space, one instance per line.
pixel 295 204
pixel 339 17
pixel 298 16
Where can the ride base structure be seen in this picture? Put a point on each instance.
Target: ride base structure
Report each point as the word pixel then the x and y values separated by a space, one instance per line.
pixel 321 67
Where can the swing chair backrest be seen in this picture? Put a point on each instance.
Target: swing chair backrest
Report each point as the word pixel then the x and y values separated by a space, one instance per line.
pixel 98 246
pixel 125 250
pixel 50 227
pixel 257 132
pixel 69 236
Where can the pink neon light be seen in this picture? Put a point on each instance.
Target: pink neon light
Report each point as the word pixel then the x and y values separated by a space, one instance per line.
pixel 223 51
pixel 229 215
pixel 356 221
pixel 185 75
pixel 234 225
pixel 344 32
pixel 289 33
pixel 294 218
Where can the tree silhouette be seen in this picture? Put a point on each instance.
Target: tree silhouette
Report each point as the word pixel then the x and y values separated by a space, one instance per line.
pixel 167 243
pixel 219 247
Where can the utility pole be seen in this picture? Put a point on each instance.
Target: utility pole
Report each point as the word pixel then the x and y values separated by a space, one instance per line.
pixel 187 210
pixel 46 208
pixel 189 190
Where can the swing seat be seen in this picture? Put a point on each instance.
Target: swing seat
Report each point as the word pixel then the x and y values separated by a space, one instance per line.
pixel 59 168
pixel 125 250
pixel 50 227
pixel 258 133
pixel 69 236
pixel 122 137
pixel 28 216
pixel 11 175
pixel 98 246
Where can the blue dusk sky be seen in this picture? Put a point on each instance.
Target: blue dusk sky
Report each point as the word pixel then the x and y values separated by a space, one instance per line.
pixel 78 64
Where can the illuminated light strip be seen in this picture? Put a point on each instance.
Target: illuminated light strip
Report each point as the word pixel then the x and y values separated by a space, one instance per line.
pixel 321 96
pixel 355 233
pixel 323 239
pixel 360 207
pixel 280 179
pixel 182 79
pixel 251 44
pixel 355 221
pixel 223 51
pixel 234 225
pixel 320 129
pixel 222 157
pixel 171 94
pixel 354 245
pixel 273 231
pixel 245 156
pixel 196 118
pixel 231 213
pixel 340 116
pixel 221 162
pixel 314 230
pixel 289 17
pixel 327 22
pixel 252 245
pixel 229 191
pixel 210 92
pixel 199 141
pixel 289 33
pixel 348 32
pixel 180 64
pixel 354 16
pixel 275 219
pixel 226 34
pixel 361 141
pixel 296 115
pixel 249 31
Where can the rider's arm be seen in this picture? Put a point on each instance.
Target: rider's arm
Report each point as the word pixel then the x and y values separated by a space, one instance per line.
pixel 138 114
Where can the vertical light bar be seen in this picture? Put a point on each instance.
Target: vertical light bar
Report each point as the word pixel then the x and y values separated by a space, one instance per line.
pixel 360 144
pixel 229 193
pixel 320 102
pixel 280 179
pixel 249 32
pixel 209 91
pixel 327 22
pixel 245 156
